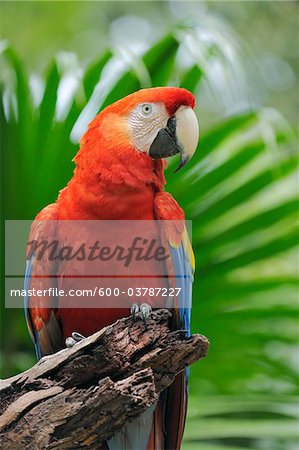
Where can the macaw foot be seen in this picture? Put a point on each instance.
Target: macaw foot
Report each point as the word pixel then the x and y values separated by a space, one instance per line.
pixel 44 359
pixel 72 340
pixel 141 312
pixel 48 357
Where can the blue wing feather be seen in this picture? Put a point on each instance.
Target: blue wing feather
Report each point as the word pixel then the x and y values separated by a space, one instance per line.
pixel 183 279
pixel 34 334
pixel 48 339
pixel 183 271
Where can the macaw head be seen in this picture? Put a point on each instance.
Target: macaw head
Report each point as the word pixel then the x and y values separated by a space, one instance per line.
pixel 156 122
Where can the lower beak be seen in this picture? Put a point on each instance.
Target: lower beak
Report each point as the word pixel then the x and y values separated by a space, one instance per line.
pixel 180 136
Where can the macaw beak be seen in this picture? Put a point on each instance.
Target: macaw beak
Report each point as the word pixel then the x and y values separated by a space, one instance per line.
pixel 180 136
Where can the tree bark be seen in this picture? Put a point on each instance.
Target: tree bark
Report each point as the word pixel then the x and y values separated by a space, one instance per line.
pixel 79 397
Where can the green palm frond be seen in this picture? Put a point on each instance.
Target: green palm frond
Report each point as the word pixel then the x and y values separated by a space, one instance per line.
pixel 239 191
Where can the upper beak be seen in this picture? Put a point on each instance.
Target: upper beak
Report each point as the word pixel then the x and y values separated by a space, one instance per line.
pixel 180 136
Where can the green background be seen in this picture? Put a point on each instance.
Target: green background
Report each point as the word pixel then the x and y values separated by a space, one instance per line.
pixel 64 61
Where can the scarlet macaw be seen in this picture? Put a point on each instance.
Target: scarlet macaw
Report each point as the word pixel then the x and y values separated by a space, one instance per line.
pixel 119 175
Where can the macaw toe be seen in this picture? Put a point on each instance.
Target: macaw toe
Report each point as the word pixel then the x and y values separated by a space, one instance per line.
pixel 141 312
pixel 44 359
pixel 145 311
pixel 134 311
pixel 72 340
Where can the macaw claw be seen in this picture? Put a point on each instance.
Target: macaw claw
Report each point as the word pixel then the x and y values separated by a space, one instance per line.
pixel 143 312
pixel 134 311
pixel 72 340
pixel 43 359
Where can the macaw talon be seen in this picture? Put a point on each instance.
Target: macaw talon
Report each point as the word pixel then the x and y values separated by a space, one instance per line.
pixel 141 312
pixel 77 336
pixel 44 359
pixel 134 311
pixel 72 340
pixel 145 311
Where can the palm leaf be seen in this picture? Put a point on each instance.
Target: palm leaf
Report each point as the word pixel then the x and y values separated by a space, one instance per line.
pixel 245 285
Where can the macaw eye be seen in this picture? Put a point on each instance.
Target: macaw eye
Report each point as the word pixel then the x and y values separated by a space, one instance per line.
pixel 147 109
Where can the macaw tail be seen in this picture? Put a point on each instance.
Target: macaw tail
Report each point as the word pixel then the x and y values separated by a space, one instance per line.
pixel 161 426
pixel 156 438
pixel 169 416
pixel 134 435
pixel 176 411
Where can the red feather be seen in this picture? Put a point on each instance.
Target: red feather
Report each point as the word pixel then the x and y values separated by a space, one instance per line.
pixel 113 181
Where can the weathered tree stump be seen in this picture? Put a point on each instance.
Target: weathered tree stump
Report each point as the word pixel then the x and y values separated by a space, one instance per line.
pixel 79 397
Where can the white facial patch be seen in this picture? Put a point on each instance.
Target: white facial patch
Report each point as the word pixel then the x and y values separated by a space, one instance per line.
pixel 145 121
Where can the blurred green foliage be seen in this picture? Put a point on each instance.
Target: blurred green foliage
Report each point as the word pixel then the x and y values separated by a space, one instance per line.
pixel 266 30
pixel 239 190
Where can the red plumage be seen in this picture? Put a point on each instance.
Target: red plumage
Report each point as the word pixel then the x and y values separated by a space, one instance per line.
pixel 113 181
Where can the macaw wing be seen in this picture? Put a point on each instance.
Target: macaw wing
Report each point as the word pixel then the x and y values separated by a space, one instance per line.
pixel 180 269
pixel 180 264
pixel 40 311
